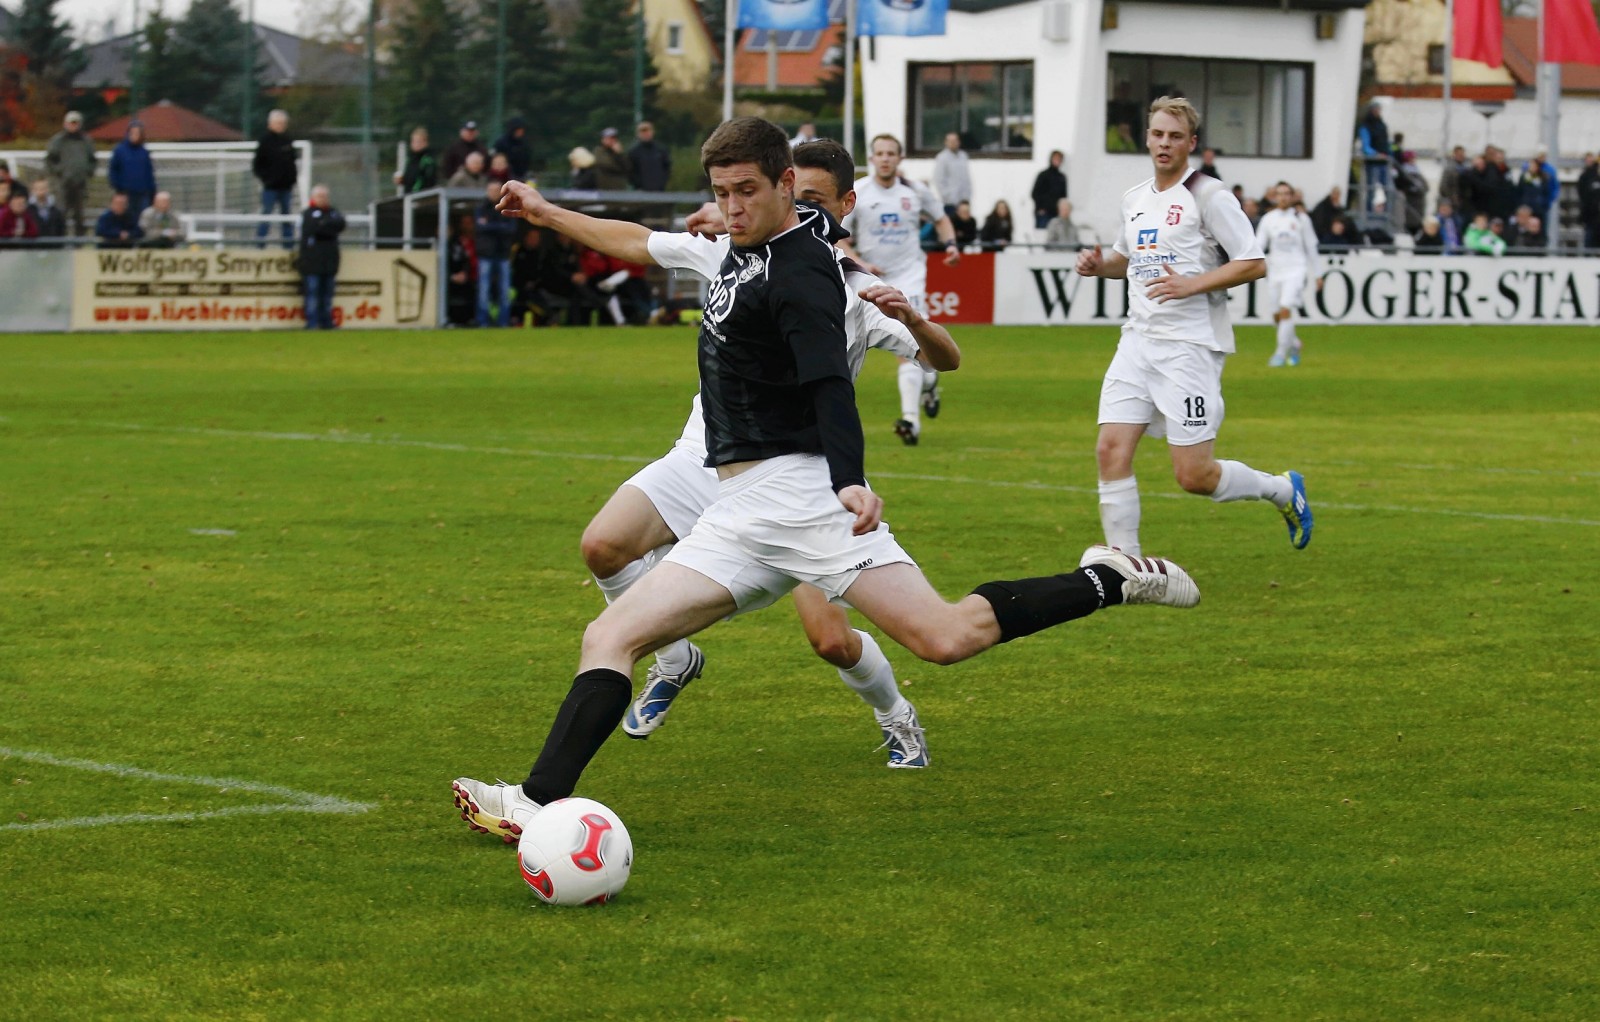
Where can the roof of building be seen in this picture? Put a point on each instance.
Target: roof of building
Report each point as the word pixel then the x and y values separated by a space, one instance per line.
pixel 166 121
pixel 285 59
pixel 1520 48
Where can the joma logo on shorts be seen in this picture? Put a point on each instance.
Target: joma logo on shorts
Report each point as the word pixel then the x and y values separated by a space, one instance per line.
pixel 864 564
pixel 1194 422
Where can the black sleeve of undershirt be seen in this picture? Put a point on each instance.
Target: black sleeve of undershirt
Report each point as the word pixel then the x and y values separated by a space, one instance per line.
pixel 839 427
pixel 809 301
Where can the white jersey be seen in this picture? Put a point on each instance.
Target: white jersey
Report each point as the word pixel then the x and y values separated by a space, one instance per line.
pixel 1289 240
pixel 886 229
pixel 865 325
pixel 1193 227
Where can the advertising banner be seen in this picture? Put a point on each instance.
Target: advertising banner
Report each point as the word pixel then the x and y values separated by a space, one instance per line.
pixel 244 289
pixel 784 14
pixel 963 293
pixel 1041 287
pixel 901 17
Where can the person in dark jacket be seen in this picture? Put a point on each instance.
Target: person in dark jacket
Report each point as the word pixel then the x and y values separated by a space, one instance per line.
pixel 461 265
pixel 17 222
pixel 611 170
pixel 1376 152
pixel 649 162
pixel 118 226
pixel 966 225
pixel 320 227
pixel 132 171
pixel 52 222
pixel 70 162
pixel 495 235
pixel 514 144
pixel 1589 201
pixel 466 142
pixel 996 233
pixel 275 167
pixel 1049 188
pixel 422 167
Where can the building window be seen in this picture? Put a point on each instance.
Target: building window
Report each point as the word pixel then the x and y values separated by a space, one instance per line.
pixel 990 105
pixel 1436 59
pixel 674 37
pixel 1247 108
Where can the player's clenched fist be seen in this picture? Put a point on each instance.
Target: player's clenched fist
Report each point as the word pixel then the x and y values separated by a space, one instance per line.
pixel 1089 262
pixel 523 200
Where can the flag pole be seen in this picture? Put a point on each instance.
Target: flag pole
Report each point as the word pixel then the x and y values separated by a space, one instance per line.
pixel 730 17
pixel 1548 95
pixel 1449 78
pixel 850 76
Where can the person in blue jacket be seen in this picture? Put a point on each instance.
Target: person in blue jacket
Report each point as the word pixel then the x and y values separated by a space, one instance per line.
pixel 132 171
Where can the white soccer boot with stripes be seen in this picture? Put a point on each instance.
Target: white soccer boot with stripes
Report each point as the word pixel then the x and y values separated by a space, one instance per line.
pixel 1148 579
pixel 500 809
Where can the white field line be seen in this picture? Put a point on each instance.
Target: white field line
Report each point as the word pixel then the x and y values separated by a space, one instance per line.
pixel 294 801
pixel 524 452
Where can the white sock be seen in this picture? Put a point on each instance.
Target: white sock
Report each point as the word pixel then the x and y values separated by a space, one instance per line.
pixel 930 378
pixel 674 657
pixel 614 306
pixel 1241 482
pixel 613 587
pixel 1285 338
pixel 910 379
pixel 1119 514
pixel 872 677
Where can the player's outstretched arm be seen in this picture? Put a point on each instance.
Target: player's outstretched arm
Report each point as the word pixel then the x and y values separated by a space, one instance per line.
pixel 938 348
pixel 1092 262
pixel 617 238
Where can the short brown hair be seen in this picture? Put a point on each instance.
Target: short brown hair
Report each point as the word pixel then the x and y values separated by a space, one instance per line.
pixel 826 154
pixel 748 140
pixel 878 138
pixel 1178 107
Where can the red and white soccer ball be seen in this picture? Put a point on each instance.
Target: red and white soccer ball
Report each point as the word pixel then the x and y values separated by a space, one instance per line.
pixel 575 851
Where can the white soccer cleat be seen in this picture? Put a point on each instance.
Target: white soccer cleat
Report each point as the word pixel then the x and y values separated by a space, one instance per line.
pixel 903 737
pixel 501 809
pixel 1147 579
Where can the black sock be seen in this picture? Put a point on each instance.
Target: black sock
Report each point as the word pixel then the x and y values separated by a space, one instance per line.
pixel 592 710
pixel 1031 605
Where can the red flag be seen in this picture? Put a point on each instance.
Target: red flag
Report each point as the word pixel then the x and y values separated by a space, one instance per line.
pixel 1570 34
pixel 1478 31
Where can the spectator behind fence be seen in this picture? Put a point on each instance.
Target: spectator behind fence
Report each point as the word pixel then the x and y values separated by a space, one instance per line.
pixel 421 171
pixel 494 234
pixel 513 145
pixel 581 169
pixel 275 165
pixel 649 162
pixel 996 232
pixel 132 171
pixel 461 267
pixel 965 224
pixel 1482 239
pixel 118 226
pixel 1451 182
pixel 17 222
pixel 1526 230
pixel 952 174
pixel 1589 201
pixel 1376 151
pixel 1324 213
pixel 611 170
pixel 1429 241
pixel 8 184
pixel 320 227
pixel 1061 234
pixel 69 161
pixel 466 142
pixel 471 174
pixel 1208 163
pixel 1049 188
pixel 499 168
pixel 52 223
pixel 1449 227
pixel 160 225
pixel 807 133
pixel 1538 187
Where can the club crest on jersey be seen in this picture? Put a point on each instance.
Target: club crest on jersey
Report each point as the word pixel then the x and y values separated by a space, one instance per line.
pixel 753 268
pixel 905 203
pixel 1174 214
pixel 1147 240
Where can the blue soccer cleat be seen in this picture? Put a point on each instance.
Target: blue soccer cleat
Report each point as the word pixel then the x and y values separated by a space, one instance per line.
pixel 649 710
pixel 1297 513
pixel 902 736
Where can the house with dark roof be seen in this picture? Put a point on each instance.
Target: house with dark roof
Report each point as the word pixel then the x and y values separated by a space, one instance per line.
pixel 287 61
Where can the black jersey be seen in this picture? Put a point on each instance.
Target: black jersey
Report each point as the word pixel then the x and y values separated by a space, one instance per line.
pixel 771 341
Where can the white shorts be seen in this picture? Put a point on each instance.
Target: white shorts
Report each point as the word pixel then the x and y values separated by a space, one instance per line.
pixel 1172 387
pixel 780 524
pixel 680 486
pixel 914 286
pixel 1286 290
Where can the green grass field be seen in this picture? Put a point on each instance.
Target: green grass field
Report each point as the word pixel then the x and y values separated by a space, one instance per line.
pixel 1358 782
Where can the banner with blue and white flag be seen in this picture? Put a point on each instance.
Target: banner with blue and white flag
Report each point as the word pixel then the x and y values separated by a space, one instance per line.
pixel 783 14
pixel 901 17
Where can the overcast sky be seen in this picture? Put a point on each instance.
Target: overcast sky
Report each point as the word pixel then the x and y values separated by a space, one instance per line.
pixel 89 16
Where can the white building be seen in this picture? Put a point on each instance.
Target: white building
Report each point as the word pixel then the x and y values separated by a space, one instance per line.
pixel 1275 80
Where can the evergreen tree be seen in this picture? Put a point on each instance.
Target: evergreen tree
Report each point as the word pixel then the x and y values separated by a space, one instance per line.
pixel 47 43
pixel 157 75
pixel 598 70
pixel 533 77
pixel 431 71
pixel 208 57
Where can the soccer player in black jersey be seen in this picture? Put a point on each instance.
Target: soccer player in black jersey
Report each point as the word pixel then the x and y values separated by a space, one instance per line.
pixel 793 506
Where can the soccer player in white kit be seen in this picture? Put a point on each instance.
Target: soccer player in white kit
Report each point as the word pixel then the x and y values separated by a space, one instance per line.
pixel 1184 242
pixel 1289 240
pixel 886 238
